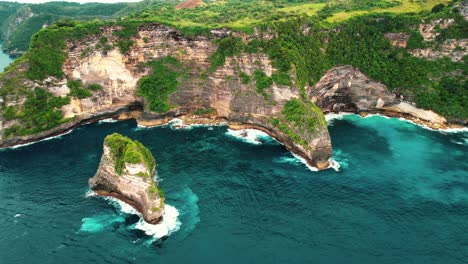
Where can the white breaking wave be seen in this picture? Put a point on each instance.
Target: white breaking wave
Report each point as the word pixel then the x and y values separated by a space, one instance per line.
pixel 169 223
pixel 90 193
pixel 446 130
pixel 108 120
pixel 333 116
pixel 253 136
pixel 177 123
pixel 330 117
pixel 303 161
pixel 333 164
pixel 44 139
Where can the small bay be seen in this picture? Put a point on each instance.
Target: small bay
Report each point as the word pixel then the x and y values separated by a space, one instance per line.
pixel 5 60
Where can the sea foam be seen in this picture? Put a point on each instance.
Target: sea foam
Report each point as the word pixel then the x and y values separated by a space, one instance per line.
pixel 333 164
pixel 169 224
pixel 44 139
pixel 330 117
pixel 252 136
pixel 108 120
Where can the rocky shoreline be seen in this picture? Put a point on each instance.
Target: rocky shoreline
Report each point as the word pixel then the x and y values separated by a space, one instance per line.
pixel 134 112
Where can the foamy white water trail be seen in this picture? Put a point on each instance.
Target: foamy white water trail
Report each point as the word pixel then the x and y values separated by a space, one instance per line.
pixel 335 116
pixel 302 160
pixel 177 123
pixel 44 139
pixel 108 120
pixel 338 116
pixel 333 164
pixel 252 136
pixel 169 224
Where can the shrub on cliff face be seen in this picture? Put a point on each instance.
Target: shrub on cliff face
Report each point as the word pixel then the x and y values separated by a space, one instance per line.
pixel 47 49
pixel 160 83
pixel 41 111
pixel 127 31
pixel 304 115
pixel 77 90
pixel 262 81
pixel 227 47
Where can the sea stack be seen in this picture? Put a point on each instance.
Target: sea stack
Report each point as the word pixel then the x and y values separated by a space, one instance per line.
pixel 126 172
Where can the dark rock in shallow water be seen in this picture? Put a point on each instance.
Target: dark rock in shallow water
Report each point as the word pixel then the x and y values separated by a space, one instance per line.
pixel 126 172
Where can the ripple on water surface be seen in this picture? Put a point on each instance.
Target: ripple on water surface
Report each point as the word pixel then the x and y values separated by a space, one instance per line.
pixel 401 197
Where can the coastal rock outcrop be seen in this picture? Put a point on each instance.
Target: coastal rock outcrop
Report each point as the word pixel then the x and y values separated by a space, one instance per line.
pixel 346 89
pixel 126 172
pixel 202 95
pixel 239 90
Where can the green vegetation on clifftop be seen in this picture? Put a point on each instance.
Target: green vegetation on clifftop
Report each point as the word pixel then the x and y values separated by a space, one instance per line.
pixel 124 150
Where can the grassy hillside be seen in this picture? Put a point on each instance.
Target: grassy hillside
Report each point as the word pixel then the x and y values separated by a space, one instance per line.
pixel 18 22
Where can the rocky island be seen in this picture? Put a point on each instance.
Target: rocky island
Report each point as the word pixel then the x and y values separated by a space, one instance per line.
pixel 126 172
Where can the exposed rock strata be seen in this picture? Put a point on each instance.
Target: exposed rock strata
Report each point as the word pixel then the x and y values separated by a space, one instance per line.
pixel 238 104
pixel 346 89
pixel 455 49
pixel 398 40
pixel 233 101
pixel 133 182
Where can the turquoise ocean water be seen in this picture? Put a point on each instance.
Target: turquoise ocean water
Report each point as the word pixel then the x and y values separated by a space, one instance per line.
pixel 401 197
pixel 5 60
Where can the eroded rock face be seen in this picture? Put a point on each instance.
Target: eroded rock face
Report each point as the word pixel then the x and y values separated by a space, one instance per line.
pixel 241 105
pixel 455 49
pixel 398 40
pixel 126 172
pixel 346 89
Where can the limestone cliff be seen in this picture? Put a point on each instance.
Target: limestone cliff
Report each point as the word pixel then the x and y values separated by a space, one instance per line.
pixel 126 172
pixel 219 93
pixel 346 89
pixel 239 91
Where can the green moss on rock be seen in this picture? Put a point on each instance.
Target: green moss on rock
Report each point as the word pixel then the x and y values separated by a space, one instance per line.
pixel 300 120
pixel 124 150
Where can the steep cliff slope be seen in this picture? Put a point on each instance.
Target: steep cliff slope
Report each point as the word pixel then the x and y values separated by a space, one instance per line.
pixel 271 79
pixel 129 79
pixel 346 89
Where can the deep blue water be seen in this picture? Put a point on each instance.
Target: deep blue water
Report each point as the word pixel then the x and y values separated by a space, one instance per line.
pixel 402 197
pixel 5 60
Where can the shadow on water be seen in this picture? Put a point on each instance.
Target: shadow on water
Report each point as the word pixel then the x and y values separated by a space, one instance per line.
pixel 369 139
